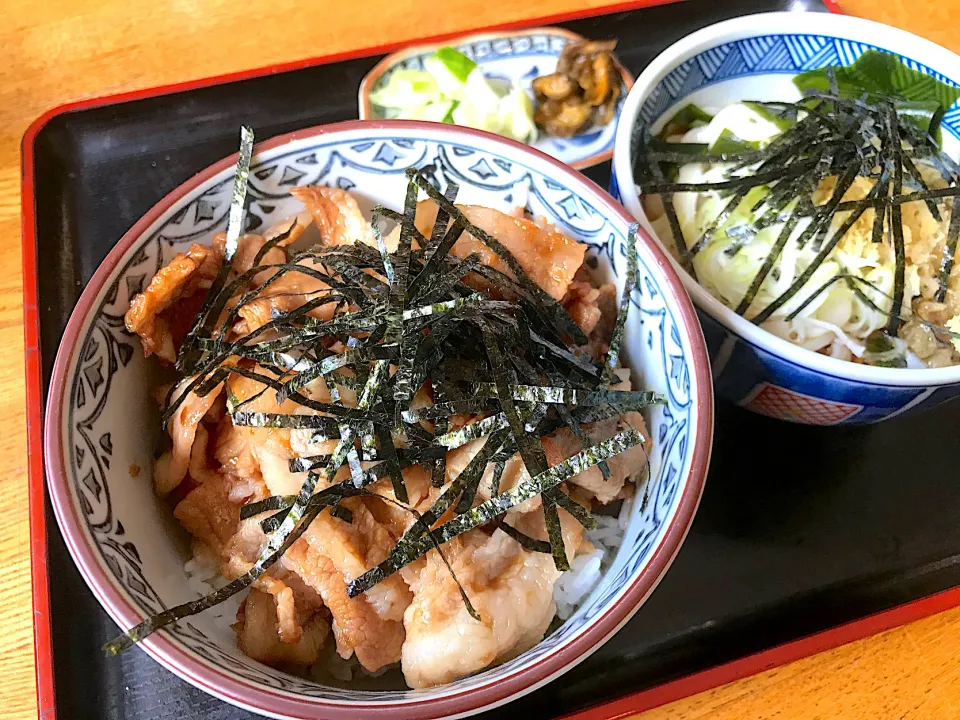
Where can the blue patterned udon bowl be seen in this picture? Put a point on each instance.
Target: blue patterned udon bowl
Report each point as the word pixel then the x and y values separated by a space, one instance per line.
pixel 101 419
pixel 756 57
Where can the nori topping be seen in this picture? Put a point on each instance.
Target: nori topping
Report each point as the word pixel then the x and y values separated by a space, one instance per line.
pixel 498 468
pixel 831 133
pixel 405 325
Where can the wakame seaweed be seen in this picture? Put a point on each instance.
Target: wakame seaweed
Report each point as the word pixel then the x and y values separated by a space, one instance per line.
pixel 401 326
pixel 875 119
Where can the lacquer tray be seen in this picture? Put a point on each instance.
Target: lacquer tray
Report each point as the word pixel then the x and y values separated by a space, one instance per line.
pixel 806 537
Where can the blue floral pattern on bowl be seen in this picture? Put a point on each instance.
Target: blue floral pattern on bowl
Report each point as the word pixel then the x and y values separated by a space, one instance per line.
pixel 517 58
pixel 750 62
pixel 107 374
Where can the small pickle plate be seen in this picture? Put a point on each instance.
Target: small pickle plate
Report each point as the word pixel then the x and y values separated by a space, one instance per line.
pixel 515 57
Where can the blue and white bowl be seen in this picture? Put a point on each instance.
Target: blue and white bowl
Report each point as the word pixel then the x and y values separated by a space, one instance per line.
pixel 755 58
pixel 101 419
pixel 516 57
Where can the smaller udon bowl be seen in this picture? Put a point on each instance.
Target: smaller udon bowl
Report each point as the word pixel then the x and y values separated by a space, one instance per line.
pixel 755 58
pixel 102 430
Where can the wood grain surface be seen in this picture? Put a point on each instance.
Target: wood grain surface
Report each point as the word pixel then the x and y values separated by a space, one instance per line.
pixel 65 50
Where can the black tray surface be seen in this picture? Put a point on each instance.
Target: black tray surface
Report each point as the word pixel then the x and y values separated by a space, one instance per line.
pixel 800 528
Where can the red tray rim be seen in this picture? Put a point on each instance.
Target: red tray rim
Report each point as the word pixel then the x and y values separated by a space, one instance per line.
pixel 611 710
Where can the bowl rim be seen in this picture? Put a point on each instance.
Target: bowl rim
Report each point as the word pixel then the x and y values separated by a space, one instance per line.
pixel 777 23
pixel 525 679
pixel 365 107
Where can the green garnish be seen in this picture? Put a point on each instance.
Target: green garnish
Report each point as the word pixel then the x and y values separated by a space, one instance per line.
pixel 727 143
pixel 882 351
pixel 687 117
pixel 781 118
pixel 880 74
pixel 459 65
pixel 920 99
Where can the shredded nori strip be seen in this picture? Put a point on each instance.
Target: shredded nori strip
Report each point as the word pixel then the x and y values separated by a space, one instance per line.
pixel 341 512
pixel 438 471
pixel 238 201
pixel 746 181
pixel 498 468
pixel 814 295
pixel 564 412
pixel 531 544
pixel 403 386
pixel 384 254
pixel 718 221
pixel 548 394
pixel 208 311
pixel 472 475
pixel 440 221
pixel 443 410
pixel 578 511
pixel 890 201
pixel 438 252
pixel 327 425
pixel 530 448
pixel 552 522
pixel 630 283
pixel 468 433
pixel 949 252
pixel 686 256
pixel 272 503
pixel 575 362
pixel 387 451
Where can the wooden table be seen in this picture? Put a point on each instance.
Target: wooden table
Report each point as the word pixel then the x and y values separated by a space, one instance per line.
pixel 61 50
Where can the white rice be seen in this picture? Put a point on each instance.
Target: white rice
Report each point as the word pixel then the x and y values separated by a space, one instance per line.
pixel 586 569
pixel 331 666
pixel 203 577
pixel 335 665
